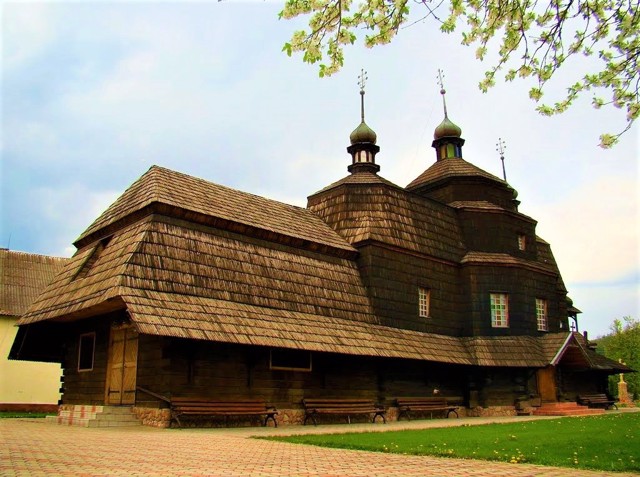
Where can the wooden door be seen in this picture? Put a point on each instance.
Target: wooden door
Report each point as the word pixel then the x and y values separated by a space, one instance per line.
pixel 547 387
pixel 123 366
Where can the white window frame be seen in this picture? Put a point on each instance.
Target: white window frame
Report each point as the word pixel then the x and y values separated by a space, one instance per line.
pixel 499 310
pixel 542 315
pixel 424 302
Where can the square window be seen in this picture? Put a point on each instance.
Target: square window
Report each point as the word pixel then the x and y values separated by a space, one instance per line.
pixel 541 314
pixel 86 351
pixel 424 298
pixel 499 310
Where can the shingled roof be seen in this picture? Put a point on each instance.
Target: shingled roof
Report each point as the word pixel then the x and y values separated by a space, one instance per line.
pixel 22 277
pixel 577 353
pixel 503 259
pixel 362 177
pixel 387 214
pixel 167 255
pixel 450 167
pixel 159 253
pixel 184 196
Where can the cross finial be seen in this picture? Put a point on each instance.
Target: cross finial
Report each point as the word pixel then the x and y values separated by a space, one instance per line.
pixel 500 147
pixel 362 81
pixel 442 90
pixel 441 81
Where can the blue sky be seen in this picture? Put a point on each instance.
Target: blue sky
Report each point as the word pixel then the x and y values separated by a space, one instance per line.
pixel 94 93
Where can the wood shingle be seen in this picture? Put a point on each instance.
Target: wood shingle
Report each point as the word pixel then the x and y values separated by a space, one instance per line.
pixel 22 277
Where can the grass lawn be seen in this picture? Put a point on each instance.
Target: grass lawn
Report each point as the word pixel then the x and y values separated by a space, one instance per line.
pixel 10 414
pixel 607 442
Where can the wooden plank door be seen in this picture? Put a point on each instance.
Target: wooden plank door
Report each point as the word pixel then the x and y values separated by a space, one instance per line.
pixel 123 366
pixel 547 387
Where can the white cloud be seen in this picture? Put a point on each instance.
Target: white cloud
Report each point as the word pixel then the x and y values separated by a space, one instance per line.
pixel 604 303
pixel 594 230
pixel 64 213
pixel 26 34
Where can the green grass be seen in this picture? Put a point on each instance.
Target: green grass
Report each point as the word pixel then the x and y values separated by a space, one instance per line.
pixel 12 415
pixel 607 442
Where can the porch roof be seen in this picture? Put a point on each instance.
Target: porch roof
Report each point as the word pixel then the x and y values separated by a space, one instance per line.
pixel 576 353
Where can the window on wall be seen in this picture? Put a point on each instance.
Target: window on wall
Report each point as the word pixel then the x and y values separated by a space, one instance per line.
pixel 424 298
pixel 522 242
pixel 86 351
pixel 450 150
pixel 499 310
pixel 290 360
pixel 541 314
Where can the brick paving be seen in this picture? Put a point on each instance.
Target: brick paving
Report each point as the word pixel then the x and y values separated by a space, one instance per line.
pixel 36 448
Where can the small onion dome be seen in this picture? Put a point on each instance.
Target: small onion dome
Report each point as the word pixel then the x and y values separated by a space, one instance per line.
pixel 363 133
pixel 447 129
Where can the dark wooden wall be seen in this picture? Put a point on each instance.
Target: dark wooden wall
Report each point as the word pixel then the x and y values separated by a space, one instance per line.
pixel 86 387
pixel 218 370
pixel 497 232
pixel 490 387
pixel 392 279
pixel 573 383
pixel 523 287
pixel 180 367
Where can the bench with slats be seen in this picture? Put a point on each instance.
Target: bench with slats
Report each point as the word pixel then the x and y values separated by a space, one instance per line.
pixel 596 400
pixel 190 406
pixel 345 407
pixel 409 405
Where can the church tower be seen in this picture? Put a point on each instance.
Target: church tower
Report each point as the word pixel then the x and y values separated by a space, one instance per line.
pixel 363 148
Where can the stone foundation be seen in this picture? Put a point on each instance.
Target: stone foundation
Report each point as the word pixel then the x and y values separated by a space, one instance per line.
pixel 153 417
pixel 290 417
pixel 492 411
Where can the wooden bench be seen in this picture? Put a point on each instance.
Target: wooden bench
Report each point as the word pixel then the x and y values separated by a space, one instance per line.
pixel 407 405
pixel 596 400
pixel 348 407
pixel 191 406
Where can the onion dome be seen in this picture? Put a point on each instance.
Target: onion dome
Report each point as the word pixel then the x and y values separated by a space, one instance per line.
pixel 447 129
pixel 363 133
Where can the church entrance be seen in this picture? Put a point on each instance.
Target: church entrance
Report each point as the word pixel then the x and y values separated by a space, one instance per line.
pixel 122 366
pixel 547 386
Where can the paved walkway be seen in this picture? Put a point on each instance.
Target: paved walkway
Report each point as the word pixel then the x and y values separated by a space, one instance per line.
pixel 36 448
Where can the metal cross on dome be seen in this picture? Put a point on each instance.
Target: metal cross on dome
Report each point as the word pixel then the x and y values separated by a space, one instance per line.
pixel 442 91
pixel 441 81
pixel 362 80
pixel 500 147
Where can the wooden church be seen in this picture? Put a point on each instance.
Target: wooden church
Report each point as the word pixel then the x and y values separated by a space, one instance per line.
pixel 183 287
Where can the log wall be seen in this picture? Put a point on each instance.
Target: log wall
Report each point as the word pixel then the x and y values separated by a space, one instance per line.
pixel 392 279
pixel 86 387
pixel 523 287
pixel 225 371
